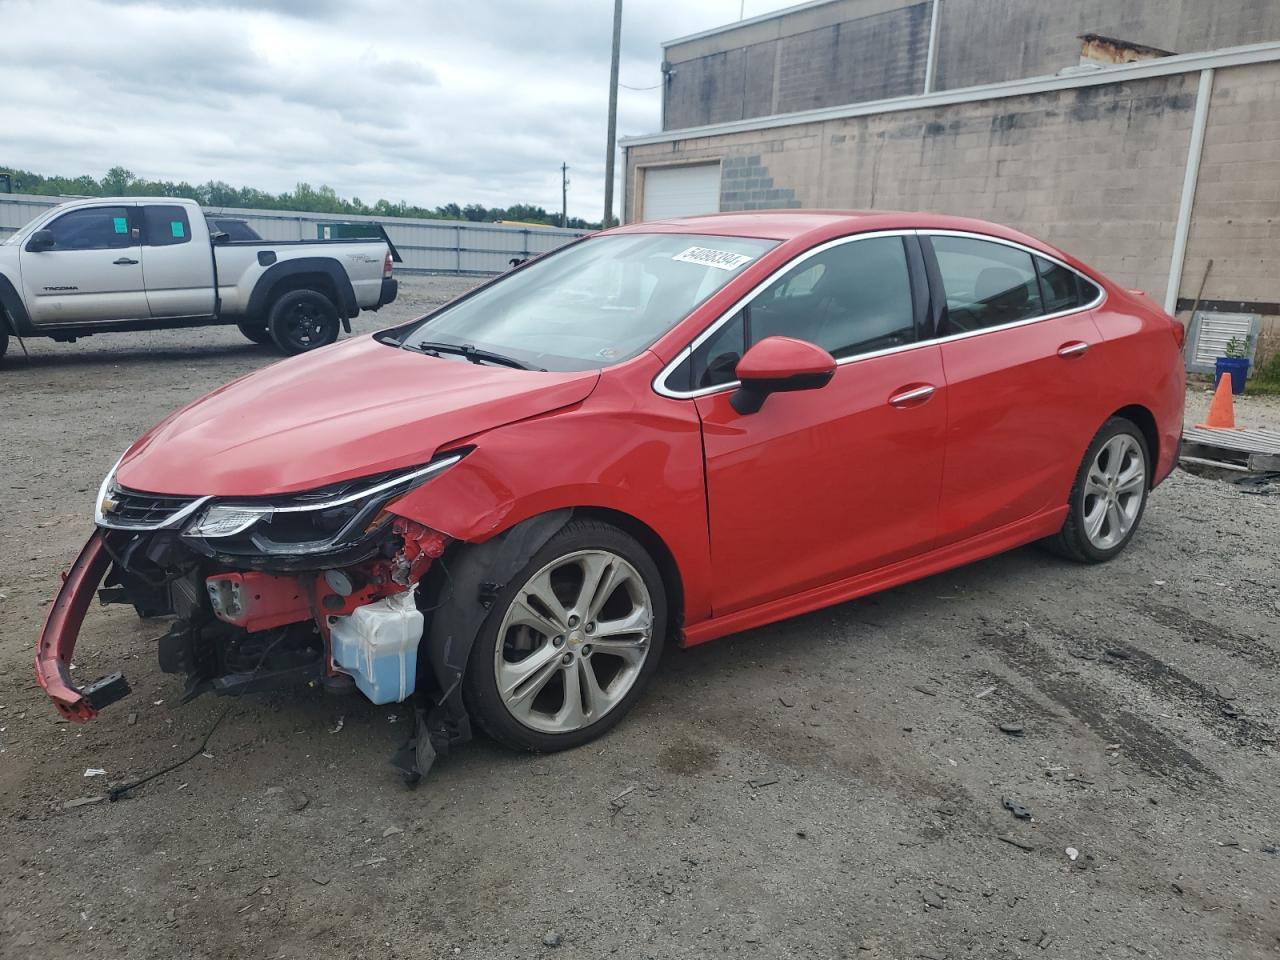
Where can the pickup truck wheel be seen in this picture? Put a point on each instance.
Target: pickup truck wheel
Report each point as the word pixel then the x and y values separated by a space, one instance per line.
pixel 303 320
pixel 257 332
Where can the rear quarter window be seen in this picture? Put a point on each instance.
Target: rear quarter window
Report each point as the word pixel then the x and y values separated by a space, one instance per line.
pixel 166 225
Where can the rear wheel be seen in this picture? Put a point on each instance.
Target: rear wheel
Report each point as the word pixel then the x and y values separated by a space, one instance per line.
pixel 1108 497
pixel 302 320
pixel 257 332
pixel 570 642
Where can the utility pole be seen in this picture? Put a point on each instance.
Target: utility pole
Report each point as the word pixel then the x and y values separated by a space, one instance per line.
pixel 564 194
pixel 613 114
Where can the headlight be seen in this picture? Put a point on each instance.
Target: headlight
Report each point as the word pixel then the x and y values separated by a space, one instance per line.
pixel 312 522
pixel 105 501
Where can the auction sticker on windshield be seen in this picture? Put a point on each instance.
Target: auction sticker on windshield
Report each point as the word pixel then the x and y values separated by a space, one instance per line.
pixel 707 257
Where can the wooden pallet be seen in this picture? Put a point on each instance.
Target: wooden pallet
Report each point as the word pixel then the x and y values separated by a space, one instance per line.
pixel 1257 451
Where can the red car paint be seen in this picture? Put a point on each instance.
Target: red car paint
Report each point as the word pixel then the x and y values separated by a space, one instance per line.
pixel 903 465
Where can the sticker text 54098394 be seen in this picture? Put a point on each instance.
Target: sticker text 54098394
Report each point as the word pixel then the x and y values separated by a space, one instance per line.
pixel 707 257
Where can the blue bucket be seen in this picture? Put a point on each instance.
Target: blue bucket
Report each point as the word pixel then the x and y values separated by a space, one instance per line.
pixel 1238 367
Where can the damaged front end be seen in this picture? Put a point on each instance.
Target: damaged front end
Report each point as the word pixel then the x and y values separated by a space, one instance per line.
pixel 316 586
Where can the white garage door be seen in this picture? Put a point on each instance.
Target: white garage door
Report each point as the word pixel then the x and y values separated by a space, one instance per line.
pixel 681 191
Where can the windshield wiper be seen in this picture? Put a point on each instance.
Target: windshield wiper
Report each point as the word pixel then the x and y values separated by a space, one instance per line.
pixel 473 354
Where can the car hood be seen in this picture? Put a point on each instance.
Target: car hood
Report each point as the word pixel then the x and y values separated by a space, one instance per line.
pixel 350 410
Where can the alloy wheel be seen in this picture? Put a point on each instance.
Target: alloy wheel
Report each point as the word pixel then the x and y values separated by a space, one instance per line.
pixel 573 641
pixel 1113 491
pixel 305 325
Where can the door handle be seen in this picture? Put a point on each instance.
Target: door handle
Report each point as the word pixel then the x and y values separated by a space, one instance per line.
pixel 915 395
pixel 123 261
pixel 1075 348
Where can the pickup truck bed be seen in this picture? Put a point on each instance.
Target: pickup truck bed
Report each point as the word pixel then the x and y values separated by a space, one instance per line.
pixel 120 264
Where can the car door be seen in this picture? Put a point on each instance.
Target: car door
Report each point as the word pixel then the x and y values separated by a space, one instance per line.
pixel 820 485
pixel 93 271
pixel 177 270
pixel 1016 337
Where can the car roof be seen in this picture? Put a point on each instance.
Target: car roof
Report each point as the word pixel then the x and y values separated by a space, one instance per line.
pixel 803 228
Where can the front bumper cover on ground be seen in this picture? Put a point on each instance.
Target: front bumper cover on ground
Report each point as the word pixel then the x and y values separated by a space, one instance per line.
pixel 62 628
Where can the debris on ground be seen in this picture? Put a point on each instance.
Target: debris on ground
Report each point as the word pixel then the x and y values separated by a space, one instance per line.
pixel 921 688
pixel 81 802
pixel 338 727
pixel 391 832
pixel 1013 729
pixel 95 772
pixel 1072 854
pixel 985 693
pixel 552 939
pixel 1016 808
pixel 617 802
pixel 1015 842
pixel 932 899
pixel 759 782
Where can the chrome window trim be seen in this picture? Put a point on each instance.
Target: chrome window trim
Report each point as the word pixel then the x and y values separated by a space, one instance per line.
pixel 660 381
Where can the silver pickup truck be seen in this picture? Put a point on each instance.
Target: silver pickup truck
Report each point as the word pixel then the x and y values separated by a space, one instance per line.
pixel 139 263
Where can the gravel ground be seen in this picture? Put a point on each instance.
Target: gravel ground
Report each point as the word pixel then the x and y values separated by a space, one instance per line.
pixel 830 786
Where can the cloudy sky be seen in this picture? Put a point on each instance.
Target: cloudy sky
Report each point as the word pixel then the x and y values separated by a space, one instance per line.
pixel 420 100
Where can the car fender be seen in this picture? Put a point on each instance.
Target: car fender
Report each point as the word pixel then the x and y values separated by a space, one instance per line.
pixel 12 303
pixel 605 454
pixel 347 306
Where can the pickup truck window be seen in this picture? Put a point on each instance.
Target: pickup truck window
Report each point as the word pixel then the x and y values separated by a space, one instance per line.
pixel 165 226
pixel 92 228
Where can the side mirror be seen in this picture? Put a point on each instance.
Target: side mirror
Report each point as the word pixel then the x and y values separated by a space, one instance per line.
pixel 780 365
pixel 40 241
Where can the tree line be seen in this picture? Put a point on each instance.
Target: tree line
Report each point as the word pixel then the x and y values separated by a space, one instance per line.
pixel 119 182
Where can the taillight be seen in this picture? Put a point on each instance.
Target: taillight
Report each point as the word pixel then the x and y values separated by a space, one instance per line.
pixel 386 266
pixel 1179 332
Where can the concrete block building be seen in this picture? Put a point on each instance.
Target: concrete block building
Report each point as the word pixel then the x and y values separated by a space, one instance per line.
pixel 1141 135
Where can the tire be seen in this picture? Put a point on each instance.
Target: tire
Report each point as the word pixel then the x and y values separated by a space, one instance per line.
pixel 4 332
pixel 257 332
pixel 302 320
pixel 543 718
pixel 1116 465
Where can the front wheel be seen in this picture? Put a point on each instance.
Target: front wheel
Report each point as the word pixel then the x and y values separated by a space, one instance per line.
pixel 302 320
pixel 1109 495
pixel 570 642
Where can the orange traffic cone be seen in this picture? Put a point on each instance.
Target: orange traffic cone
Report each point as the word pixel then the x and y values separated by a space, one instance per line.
pixel 1221 413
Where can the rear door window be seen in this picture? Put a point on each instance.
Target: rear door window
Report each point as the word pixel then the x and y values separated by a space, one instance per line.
pixel 92 228
pixel 166 225
pixel 1063 289
pixel 987 284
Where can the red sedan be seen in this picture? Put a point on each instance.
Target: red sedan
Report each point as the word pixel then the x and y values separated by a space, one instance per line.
pixel 666 432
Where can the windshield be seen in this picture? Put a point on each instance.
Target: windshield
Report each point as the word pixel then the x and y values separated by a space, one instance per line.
pixel 597 303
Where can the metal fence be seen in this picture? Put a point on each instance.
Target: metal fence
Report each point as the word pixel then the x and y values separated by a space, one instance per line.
pixel 427 246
